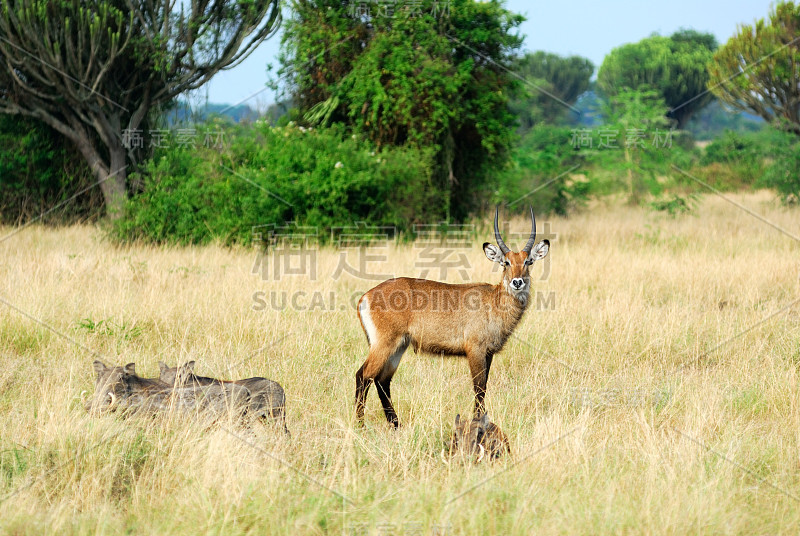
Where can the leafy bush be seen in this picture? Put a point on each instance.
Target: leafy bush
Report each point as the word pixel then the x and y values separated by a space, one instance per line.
pixel 436 79
pixel 737 160
pixel 743 153
pixel 675 204
pixel 273 175
pixel 39 170
pixel 783 171
pixel 545 154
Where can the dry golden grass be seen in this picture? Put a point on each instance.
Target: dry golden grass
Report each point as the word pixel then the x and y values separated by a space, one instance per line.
pixel 651 398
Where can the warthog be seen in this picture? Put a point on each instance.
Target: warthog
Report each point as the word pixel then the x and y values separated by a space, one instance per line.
pixel 120 388
pixel 267 399
pixel 478 437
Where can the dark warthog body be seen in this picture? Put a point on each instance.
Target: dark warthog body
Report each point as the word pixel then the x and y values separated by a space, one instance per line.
pixel 120 388
pixel 478 437
pixel 267 399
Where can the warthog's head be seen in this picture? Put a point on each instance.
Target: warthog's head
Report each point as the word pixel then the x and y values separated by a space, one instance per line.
pixel 111 386
pixel 177 376
pixel 468 436
pixel 167 374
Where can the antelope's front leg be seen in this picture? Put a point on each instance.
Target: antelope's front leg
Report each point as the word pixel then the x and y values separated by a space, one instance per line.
pixel 479 365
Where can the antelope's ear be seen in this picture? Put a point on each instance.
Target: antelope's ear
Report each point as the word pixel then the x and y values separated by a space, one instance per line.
pixel 130 368
pixel 162 367
pixel 493 253
pixel 539 251
pixel 189 367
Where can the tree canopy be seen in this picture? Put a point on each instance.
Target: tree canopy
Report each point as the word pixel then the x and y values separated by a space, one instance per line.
pixel 673 66
pixel 93 70
pixel 758 69
pixel 554 84
pixel 437 76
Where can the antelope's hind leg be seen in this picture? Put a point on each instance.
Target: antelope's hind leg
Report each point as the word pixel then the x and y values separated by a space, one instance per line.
pixel 380 366
pixel 385 379
pixel 362 388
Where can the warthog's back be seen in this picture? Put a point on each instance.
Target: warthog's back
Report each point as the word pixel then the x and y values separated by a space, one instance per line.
pixel 217 400
pixel 267 397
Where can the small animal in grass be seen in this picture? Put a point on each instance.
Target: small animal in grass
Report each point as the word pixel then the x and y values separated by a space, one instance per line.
pixel 478 438
pixel 267 398
pixel 121 389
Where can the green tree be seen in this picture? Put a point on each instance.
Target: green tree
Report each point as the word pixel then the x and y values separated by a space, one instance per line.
pixel 431 77
pixel 93 70
pixel 758 69
pixel 634 116
pixel 673 66
pixel 554 84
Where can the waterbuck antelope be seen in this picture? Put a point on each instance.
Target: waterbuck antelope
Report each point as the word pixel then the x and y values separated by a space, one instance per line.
pixel 471 320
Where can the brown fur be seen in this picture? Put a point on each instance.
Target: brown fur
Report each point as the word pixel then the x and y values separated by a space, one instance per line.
pixel 471 320
pixel 478 438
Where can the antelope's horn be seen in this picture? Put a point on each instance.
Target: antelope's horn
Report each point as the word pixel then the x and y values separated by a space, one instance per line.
pixel 502 245
pixel 532 239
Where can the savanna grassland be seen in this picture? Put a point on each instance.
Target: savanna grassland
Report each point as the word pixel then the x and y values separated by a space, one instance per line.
pixel 654 389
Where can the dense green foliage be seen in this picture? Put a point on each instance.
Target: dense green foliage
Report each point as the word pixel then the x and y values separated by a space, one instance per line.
pixel 783 171
pixel 95 70
pixel 739 157
pixel 40 171
pixel 673 66
pixel 553 84
pixel 273 175
pixel 635 155
pixel 414 118
pixel 547 172
pixel 758 68
pixel 435 77
pixel 638 121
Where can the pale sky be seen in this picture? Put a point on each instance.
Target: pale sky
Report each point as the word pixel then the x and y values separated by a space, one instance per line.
pixel 588 28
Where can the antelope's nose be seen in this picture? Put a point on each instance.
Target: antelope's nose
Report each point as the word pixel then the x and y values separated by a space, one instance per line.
pixel 517 283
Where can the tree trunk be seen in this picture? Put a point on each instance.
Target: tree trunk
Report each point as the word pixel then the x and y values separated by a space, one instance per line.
pixel 114 190
pixel 111 179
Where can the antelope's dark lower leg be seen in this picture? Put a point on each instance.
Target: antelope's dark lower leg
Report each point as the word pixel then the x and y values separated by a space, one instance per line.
pixel 479 368
pixel 362 387
pixel 385 394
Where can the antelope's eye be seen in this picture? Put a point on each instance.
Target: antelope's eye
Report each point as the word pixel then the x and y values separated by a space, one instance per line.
pixel 528 262
pixel 506 263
